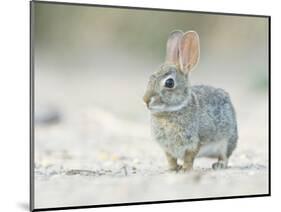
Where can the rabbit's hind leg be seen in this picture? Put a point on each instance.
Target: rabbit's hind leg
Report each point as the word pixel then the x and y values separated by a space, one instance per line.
pixel 221 163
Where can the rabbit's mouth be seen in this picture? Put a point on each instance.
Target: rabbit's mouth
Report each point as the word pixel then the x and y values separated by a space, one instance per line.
pixel 154 103
pixel 157 107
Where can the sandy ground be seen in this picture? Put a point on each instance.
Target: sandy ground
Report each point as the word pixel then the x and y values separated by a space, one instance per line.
pixel 96 149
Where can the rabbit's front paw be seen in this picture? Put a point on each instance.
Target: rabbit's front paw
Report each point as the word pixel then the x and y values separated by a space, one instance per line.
pixel 175 168
pixel 188 160
pixel 172 161
pixel 187 167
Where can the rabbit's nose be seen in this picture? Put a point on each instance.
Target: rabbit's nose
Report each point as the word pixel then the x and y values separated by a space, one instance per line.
pixel 146 98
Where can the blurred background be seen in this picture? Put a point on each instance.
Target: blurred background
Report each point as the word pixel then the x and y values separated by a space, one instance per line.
pixel 92 131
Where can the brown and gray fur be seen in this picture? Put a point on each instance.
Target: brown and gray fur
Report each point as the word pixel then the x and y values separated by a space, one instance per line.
pixel 189 121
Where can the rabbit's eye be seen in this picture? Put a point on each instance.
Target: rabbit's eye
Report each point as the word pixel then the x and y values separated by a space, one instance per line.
pixel 169 83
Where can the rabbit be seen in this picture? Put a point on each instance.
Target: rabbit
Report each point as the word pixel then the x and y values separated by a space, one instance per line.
pixel 189 121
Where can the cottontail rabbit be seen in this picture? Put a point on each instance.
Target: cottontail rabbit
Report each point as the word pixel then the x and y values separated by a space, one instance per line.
pixel 189 121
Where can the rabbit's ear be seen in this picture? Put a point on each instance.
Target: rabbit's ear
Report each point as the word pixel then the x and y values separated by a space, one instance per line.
pixel 189 51
pixel 172 52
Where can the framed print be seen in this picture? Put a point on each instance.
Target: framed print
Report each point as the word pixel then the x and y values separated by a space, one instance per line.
pixel 140 105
